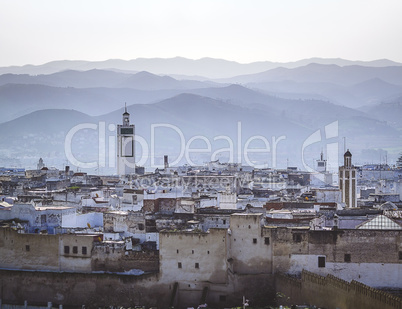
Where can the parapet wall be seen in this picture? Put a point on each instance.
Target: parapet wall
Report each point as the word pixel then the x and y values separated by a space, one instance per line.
pixel 332 292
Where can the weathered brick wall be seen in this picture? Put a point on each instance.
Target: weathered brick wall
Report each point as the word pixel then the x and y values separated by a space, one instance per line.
pixel 150 206
pixel 75 290
pixel 166 205
pixel 116 259
pixel 332 292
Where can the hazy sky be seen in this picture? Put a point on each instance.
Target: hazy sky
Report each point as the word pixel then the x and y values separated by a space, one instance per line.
pixel 35 32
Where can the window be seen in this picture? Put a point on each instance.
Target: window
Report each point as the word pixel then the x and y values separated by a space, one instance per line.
pixel 127 146
pixel 66 249
pixel 192 251
pixel 266 240
pixel 43 219
pixel 400 255
pixel 27 248
pixel 224 222
pixel 222 297
pixel 84 250
pixel 179 265
pixel 254 240
pixel 197 265
pixel 208 251
pixel 321 261
pixel 177 251
pixel 75 249
pixel 347 257
pixel 297 237
pixel 141 226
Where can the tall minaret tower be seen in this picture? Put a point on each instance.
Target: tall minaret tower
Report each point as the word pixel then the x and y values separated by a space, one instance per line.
pixel 347 181
pixel 125 146
pixel 321 164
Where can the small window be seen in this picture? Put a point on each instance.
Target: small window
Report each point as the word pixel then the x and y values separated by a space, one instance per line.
pixel 27 248
pixel 141 226
pixel 266 240
pixel 66 249
pixel 179 265
pixel 222 297
pixel 224 222
pixel 321 261
pixel 192 251
pixel 197 265
pixel 84 250
pixel 75 249
pixel 177 251
pixel 347 257
pixel 400 255
pixel 208 251
pixel 297 237
pixel 254 240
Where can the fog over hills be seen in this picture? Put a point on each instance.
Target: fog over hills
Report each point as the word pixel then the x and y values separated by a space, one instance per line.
pixel 103 78
pixel 331 73
pixel 293 101
pixel 43 133
pixel 208 67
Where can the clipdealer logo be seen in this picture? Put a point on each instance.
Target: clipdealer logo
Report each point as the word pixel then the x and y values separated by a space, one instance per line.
pixel 238 150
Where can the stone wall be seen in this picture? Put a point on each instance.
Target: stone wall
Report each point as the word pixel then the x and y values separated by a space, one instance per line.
pixel 332 292
pixel 114 258
pixel 250 245
pixel 101 290
pixel 45 252
pixel 193 257
pixel 128 222
pixel 371 257
pixel 75 289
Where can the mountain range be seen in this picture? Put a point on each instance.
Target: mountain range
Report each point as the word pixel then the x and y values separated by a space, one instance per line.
pixel 364 98
pixel 208 67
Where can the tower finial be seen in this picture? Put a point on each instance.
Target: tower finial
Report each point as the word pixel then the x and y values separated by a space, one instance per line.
pixel 125 107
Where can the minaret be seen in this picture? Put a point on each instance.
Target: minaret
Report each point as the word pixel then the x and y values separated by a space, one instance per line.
pixel 125 146
pixel 322 164
pixel 347 181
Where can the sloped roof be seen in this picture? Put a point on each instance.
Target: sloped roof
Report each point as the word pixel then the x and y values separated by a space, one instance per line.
pixel 380 222
pixel 388 206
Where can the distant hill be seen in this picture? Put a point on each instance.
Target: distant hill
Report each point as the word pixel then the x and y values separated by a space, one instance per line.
pixel 43 133
pixel 208 67
pixel 265 99
pixel 103 78
pixel 374 90
pixel 20 99
pixel 388 112
pixel 320 73
pixel 147 81
pixel 351 86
